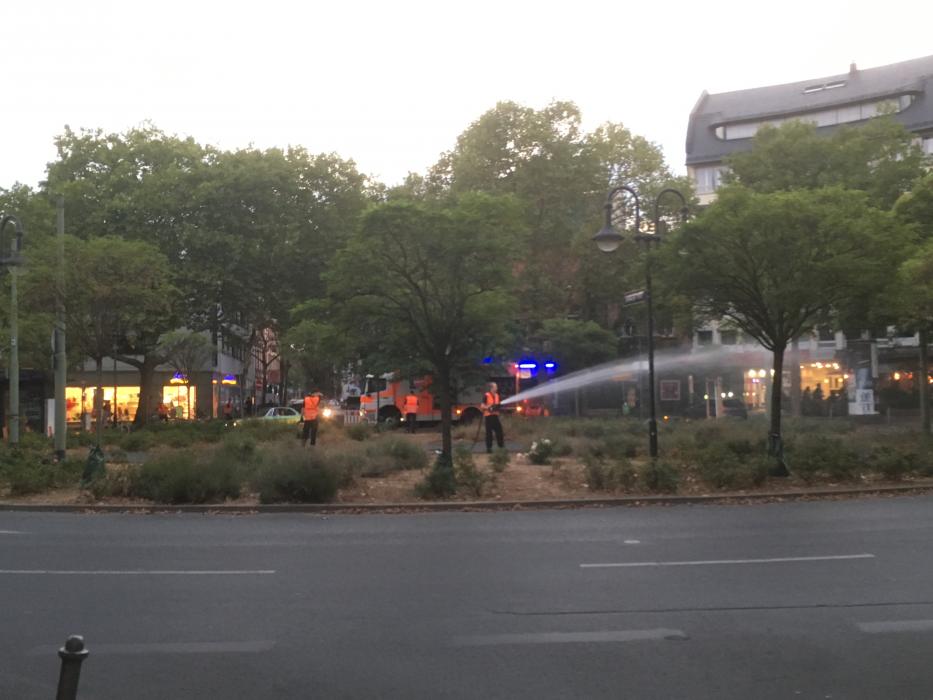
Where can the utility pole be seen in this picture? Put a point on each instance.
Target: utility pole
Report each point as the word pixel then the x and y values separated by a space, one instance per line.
pixel 15 246
pixel 60 359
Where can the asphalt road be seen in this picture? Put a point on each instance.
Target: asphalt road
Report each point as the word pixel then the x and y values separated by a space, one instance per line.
pixel 795 600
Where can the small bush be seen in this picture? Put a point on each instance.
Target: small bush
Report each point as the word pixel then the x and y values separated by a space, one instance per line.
pixel 178 477
pixel 892 463
pixel 614 475
pixel 114 483
pixel 661 476
pixel 733 465
pixel 138 441
pixel 26 472
pixel 467 474
pixel 296 476
pixel 619 447
pixel 814 454
pixel 440 482
pixel 359 431
pixel 116 454
pixel 499 460
pixel 541 451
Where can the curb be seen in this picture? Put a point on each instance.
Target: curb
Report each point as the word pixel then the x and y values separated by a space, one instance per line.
pixel 468 506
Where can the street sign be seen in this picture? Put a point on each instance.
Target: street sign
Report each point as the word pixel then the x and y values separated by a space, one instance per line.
pixel 639 295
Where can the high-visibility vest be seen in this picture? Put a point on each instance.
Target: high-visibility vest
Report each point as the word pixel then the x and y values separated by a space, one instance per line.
pixel 491 403
pixel 309 411
pixel 411 403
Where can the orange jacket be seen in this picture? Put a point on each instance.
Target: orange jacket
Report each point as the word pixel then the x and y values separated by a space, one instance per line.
pixel 491 404
pixel 309 410
pixel 411 403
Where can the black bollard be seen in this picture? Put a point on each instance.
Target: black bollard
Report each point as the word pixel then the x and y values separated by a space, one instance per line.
pixel 72 654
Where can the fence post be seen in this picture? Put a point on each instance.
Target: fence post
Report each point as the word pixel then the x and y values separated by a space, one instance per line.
pixel 72 654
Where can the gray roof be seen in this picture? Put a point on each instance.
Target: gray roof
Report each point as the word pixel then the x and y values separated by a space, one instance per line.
pixel 914 76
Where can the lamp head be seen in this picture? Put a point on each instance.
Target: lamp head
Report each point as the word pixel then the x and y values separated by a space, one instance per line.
pixel 608 239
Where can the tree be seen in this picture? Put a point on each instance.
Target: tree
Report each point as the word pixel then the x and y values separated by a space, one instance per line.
pixel 560 175
pixel 434 278
pixel 912 295
pixel 777 263
pixel 878 157
pixel 187 352
pixel 115 289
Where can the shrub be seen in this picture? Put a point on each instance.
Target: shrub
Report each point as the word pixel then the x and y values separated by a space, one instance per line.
pixel 116 454
pixel 114 483
pixel 392 454
pixel 467 474
pixel 138 441
pixel 178 477
pixel 603 476
pixel 661 476
pixel 296 476
pixel 499 460
pixel 892 463
pixel 814 454
pixel 440 482
pixel 619 447
pixel 26 472
pixel 541 451
pixel 359 431
pixel 734 465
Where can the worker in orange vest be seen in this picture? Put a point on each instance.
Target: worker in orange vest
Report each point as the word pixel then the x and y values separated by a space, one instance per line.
pixel 491 417
pixel 309 416
pixel 411 411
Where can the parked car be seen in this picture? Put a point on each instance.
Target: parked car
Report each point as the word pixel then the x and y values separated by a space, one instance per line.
pixel 735 408
pixel 281 413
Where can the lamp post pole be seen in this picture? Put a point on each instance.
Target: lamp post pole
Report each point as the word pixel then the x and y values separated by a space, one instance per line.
pixel 60 360
pixel 608 240
pixel 12 262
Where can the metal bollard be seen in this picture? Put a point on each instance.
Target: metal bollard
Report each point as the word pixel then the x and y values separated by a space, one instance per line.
pixel 72 654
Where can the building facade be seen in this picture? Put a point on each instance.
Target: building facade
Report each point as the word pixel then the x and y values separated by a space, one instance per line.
pixel 848 375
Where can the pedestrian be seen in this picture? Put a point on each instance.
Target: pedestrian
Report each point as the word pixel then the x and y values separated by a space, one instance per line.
pixel 491 417
pixel 228 410
pixel 309 416
pixel 411 411
pixel 163 412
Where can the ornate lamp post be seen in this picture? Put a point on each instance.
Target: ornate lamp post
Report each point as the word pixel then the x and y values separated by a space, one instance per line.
pixel 608 240
pixel 12 262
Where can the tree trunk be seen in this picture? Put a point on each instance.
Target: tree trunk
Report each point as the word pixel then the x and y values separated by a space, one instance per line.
pixel 146 405
pixel 99 397
pixel 795 393
pixel 924 383
pixel 775 442
pixel 446 418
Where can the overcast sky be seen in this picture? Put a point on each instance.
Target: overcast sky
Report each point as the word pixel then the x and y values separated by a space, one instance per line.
pixel 392 84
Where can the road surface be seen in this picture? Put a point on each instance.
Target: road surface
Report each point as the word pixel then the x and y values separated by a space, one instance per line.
pixel 794 600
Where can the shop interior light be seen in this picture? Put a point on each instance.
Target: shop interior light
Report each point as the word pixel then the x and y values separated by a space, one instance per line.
pixel 897 376
pixel 762 373
pixel 752 373
pixel 706 397
pixel 722 395
pixel 730 394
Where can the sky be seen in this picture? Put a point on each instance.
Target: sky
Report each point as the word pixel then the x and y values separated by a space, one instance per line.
pixel 392 84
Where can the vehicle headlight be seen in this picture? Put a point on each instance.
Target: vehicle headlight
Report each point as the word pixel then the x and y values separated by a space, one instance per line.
pixel 328 412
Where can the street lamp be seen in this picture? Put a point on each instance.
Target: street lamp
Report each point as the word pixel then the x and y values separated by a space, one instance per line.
pixel 608 240
pixel 12 262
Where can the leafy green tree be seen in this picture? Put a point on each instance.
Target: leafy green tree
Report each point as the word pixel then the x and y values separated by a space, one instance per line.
pixel 775 264
pixel 560 175
pixel 877 157
pixel 911 297
pixel 114 288
pixel 435 279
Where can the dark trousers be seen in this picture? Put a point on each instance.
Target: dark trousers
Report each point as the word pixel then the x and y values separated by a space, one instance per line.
pixel 493 426
pixel 411 421
pixel 309 432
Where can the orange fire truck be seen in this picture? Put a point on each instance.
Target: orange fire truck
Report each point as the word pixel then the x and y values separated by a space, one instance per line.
pixel 383 399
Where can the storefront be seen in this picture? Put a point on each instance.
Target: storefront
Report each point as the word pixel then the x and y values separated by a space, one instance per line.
pixel 124 400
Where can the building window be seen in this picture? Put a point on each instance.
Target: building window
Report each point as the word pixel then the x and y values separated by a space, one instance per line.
pixel 823 117
pixel 729 337
pixel 928 145
pixel 704 337
pixel 708 178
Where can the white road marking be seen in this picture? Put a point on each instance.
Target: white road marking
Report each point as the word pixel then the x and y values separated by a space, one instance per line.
pixel 168 648
pixel 632 542
pixel 135 572
pixel 483 640
pixel 11 532
pixel 896 626
pixel 712 562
